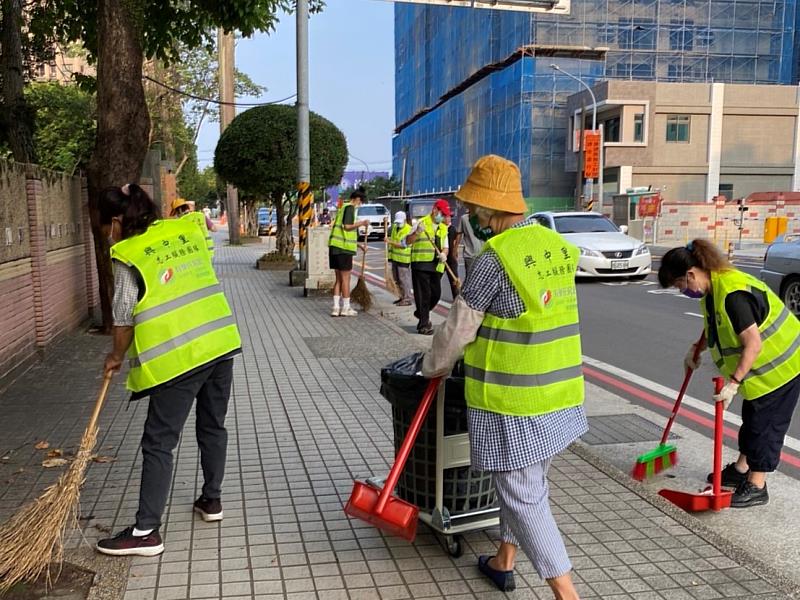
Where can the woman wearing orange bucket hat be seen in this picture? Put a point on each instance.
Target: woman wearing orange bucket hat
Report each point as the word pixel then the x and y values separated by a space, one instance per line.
pixel 516 322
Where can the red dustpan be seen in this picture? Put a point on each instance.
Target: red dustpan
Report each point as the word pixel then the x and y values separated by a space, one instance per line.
pixel 714 497
pixel 380 507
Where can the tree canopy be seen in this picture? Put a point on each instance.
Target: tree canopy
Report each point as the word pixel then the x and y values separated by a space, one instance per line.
pixel 258 151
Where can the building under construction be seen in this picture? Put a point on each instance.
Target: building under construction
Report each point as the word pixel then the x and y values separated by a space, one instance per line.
pixel 470 82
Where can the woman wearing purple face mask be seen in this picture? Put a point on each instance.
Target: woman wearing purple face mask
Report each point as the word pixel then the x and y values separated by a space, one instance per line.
pixel 755 343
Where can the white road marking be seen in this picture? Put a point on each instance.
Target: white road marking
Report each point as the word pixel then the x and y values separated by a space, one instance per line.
pixel 691 314
pixel 688 400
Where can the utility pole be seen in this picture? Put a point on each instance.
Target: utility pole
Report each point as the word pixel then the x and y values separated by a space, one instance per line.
pixel 305 198
pixel 225 44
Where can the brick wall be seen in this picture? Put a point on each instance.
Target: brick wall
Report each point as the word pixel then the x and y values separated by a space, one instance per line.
pixel 48 280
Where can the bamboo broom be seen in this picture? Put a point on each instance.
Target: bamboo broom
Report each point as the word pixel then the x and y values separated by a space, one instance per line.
pixel 361 294
pixel 34 537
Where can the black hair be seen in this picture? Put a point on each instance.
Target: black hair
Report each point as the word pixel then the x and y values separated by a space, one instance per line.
pixel 697 253
pixel 137 209
pixel 360 193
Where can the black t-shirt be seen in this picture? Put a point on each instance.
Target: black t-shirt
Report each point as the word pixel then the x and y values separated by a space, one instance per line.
pixel 348 218
pixel 744 309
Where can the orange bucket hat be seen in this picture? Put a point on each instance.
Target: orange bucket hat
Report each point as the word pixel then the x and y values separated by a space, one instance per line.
pixel 494 183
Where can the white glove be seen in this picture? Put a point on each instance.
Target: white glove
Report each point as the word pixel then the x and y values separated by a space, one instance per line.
pixel 689 362
pixel 726 394
pixel 442 257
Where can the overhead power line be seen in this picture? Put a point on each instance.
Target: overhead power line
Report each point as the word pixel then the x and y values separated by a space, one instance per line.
pixel 213 100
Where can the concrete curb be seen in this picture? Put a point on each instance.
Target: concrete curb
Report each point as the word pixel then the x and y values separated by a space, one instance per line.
pixel 727 546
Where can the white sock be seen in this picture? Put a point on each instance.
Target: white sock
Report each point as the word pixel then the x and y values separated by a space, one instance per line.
pixel 345 303
pixel 336 302
pixel 141 532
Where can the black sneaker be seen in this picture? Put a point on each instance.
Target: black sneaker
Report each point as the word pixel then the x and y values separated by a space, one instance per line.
pixel 426 330
pixel 127 544
pixel 747 495
pixel 209 509
pixel 731 477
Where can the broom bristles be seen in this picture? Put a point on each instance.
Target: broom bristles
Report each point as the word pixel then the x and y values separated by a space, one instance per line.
pixel 34 537
pixel 361 295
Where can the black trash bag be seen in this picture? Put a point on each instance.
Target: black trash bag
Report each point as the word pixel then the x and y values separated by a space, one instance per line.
pixel 464 489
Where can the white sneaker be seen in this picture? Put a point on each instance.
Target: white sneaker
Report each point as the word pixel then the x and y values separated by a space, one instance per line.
pixel 335 312
pixel 348 312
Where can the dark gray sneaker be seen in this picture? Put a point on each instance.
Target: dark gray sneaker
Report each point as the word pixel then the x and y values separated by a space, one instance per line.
pixel 209 509
pixel 747 495
pixel 127 544
pixel 731 477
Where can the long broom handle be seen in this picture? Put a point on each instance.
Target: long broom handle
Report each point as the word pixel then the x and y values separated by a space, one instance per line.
pixel 682 392
pixel 364 255
pixel 101 398
pixel 446 266
pixel 407 445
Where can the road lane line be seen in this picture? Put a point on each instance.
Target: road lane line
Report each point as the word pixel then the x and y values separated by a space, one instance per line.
pixel 663 390
pixel 691 314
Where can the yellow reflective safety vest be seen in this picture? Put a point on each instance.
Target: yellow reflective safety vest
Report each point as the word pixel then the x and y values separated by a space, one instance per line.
pixel 779 360
pixel 400 255
pixel 340 238
pixel 422 250
pixel 530 365
pixel 199 219
pixel 183 320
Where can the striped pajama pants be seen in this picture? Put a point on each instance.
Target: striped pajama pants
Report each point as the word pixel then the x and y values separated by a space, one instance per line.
pixel 526 520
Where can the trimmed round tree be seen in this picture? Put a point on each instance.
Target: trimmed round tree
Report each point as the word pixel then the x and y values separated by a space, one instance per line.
pixel 257 153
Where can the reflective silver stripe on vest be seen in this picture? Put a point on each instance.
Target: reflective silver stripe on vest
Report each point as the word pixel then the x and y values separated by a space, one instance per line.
pixel 522 337
pixel 766 368
pixel 766 334
pixel 512 380
pixel 189 336
pixel 162 309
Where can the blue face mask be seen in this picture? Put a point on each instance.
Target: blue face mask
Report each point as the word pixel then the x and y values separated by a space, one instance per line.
pixel 692 294
pixel 482 233
pixel 438 219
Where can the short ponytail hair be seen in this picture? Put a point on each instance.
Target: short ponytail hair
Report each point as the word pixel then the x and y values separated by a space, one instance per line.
pixel 698 253
pixel 131 202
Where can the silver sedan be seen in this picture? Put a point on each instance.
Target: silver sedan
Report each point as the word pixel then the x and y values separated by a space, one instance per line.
pixel 781 271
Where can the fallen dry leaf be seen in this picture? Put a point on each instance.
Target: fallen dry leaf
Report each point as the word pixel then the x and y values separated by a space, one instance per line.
pixel 103 459
pixel 55 453
pixel 54 462
pixel 43 445
pixel 103 528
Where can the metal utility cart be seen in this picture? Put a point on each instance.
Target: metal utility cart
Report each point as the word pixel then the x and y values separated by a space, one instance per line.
pixel 471 497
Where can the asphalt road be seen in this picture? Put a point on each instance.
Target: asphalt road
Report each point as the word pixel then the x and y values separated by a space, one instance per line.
pixel 639 328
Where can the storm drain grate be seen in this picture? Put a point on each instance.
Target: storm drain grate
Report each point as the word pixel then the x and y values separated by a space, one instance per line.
pixel 623 429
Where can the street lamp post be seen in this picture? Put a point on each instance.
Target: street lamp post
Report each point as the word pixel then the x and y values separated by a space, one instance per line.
pixel 589 182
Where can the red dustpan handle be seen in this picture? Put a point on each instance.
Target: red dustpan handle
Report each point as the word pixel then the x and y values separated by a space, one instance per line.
pixel 682 393
pixel 408 444
pixel 719 383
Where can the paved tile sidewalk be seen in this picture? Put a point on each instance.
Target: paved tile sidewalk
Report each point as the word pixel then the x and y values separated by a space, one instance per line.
pixel 306 419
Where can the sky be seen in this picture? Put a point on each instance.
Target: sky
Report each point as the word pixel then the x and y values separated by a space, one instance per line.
pixel 351 52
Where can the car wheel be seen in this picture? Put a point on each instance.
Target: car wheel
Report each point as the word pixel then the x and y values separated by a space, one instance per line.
pixel 790 293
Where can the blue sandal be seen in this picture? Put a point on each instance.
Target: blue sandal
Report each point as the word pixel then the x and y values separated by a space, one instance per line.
pixel 504 580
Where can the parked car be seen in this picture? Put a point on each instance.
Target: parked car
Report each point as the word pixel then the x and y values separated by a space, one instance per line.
pixel 267 221
pixel 606 250
pixel 376 214
pixel 781 271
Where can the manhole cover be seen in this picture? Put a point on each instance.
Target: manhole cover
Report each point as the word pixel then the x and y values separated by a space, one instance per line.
pixel 623 429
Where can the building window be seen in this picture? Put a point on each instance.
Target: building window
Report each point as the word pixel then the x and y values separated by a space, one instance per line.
pixel 611 130
pixel 678 128
pixel 726 189
pixel 638 128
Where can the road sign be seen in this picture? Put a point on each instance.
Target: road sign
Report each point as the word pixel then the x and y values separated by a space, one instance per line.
pixel 591 161
pixel 649 205
pixel 561 7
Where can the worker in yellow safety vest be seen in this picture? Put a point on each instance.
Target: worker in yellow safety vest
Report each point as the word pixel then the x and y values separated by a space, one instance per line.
pixel 400 257
pixel 181 209
pixel 173 321
pixel 516 324
pixel 754 341
pixel 342 247
pixel 429 247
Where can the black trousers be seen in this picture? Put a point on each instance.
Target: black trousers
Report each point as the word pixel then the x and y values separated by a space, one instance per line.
pixel 427 292
pixel 169 408
pixel 765 422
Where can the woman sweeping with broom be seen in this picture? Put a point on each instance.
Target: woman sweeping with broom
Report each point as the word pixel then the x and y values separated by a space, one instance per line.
pixel 173 321
pixel 342 246
pixel 755 343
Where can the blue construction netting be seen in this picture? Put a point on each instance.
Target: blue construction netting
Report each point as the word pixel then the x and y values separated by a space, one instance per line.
pixel 517 108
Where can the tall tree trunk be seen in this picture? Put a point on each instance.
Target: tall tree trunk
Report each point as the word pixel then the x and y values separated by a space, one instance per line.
pixel 16 116
pixel 123 123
